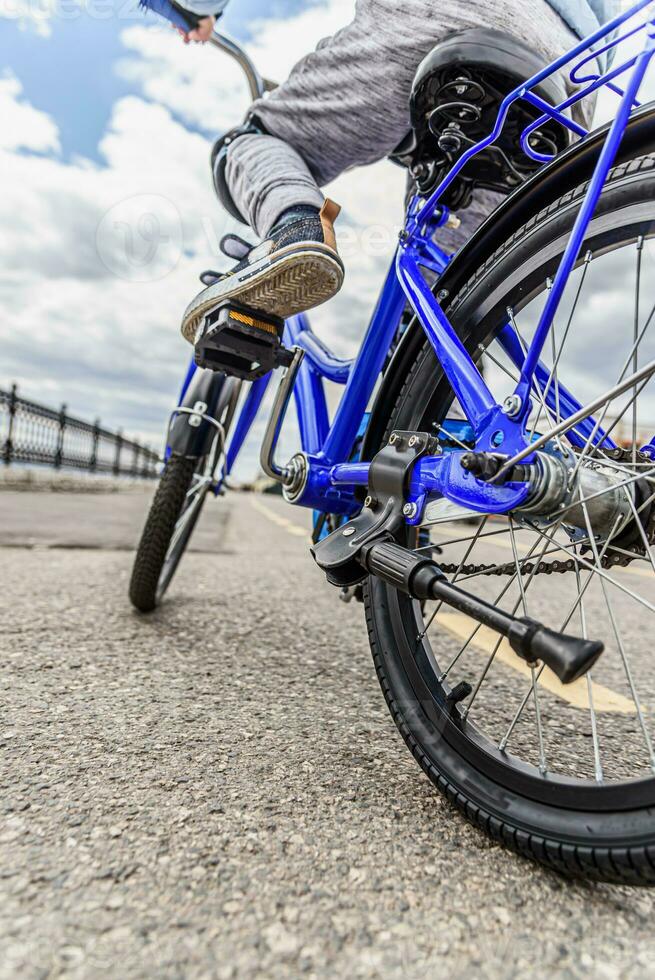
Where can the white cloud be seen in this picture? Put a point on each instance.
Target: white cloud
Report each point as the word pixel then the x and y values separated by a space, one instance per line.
pixel 32 15
pixel 200 85
pixel 206 89
pixel 99 261
pixel 279 43
pixel 110 343
pixel 75 330
pixel 204 86
pixel 23 126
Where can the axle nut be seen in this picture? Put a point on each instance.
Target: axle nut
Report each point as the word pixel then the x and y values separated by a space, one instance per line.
pixel 410 510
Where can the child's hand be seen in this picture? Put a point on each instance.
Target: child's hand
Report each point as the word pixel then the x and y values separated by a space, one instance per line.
pixel 203 31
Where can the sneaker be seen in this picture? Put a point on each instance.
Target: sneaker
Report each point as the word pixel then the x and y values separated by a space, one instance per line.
pixel 295 268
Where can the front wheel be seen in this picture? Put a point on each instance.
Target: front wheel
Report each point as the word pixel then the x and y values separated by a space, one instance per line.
pixel 173 514
pixel 564 774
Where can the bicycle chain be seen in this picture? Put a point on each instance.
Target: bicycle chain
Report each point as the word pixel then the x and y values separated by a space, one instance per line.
pixel 527 567
pixel 609 560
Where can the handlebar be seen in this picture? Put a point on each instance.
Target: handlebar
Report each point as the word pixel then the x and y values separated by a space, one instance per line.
pixel 256 83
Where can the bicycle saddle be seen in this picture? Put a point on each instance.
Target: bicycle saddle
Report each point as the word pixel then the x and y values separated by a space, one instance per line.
pixel 456 94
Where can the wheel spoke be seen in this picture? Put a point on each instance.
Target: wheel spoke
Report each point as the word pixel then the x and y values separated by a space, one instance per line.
pixel 598 769
pixel 180 525
pixel 503 742
pixel 642 533
pixel 588 446
pixel 523 589
pixel 556 359
pixel 535 384
pixel 454 578
pixel 502 745
pixel 644 373
pixel 444 544
pixel 635 356
pixel 535 694
pixel 501 594
pixel 201 482
pixel 619 641
pixel 487 353
pixel 602 574
pixel 450 436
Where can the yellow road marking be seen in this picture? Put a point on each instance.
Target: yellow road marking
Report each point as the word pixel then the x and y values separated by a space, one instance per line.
pixel 283 522
pixel 576 693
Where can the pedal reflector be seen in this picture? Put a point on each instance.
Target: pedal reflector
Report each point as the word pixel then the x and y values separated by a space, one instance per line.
pixel 241 342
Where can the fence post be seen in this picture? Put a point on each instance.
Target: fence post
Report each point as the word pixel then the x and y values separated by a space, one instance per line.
pixel 117 457
pixel 93 462
pixel 8 448
pixel 59 452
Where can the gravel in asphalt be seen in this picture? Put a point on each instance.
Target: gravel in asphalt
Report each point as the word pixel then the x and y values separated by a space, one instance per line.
pixel 218 790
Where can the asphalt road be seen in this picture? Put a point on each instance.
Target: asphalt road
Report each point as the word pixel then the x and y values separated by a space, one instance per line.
pixel 217 790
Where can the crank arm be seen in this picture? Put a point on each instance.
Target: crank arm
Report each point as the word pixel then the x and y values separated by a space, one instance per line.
pixel 569 657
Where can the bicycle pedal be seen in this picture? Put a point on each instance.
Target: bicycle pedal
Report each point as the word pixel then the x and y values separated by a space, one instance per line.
pixel 241 342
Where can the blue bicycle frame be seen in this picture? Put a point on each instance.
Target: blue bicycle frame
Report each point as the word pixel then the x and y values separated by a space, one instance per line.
pixel 331 475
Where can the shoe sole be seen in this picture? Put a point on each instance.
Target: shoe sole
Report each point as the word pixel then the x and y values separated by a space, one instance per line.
pixel 297 279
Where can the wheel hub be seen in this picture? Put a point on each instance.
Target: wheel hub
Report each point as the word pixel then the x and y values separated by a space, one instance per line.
pixel 592 494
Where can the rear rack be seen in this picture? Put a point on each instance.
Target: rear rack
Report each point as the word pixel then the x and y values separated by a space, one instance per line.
pixel 595 63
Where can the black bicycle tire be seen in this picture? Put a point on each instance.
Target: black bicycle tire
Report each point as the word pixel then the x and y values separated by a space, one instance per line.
pixel 158 530
pixel 612 854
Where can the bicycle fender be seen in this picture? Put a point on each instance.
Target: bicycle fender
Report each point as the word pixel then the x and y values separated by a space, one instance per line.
pixel 569 169
pixel 192 435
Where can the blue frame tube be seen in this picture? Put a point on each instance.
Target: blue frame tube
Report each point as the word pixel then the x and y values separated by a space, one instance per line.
pixel 299 332
pixel 365 371
pixel 327 446
pixel 519 92
pixel 311 408
pixel 246 418
pixel 568 405
pixel 582 220
pixel 468 384
pixel 308 393
pixel 191 370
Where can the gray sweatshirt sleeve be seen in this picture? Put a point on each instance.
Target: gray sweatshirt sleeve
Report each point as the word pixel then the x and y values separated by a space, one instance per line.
pixel 204 8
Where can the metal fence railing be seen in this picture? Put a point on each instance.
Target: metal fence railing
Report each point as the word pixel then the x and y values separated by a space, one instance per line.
pixel 33 433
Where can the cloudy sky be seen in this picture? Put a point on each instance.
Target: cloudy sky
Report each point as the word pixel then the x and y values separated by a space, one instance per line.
pixel 107 213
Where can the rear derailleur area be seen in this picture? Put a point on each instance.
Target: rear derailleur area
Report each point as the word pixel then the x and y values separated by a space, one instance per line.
pixel 375 543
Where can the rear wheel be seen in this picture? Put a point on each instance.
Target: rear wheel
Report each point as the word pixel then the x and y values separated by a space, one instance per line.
pixel 565 775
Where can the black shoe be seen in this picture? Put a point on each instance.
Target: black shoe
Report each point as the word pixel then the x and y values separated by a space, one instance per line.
pixel 295 268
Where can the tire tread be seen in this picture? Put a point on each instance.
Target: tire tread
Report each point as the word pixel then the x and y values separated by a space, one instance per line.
pixel 160 523
pixel 634 865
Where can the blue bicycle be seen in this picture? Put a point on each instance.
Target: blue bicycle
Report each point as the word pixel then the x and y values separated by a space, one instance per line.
pixel 493 505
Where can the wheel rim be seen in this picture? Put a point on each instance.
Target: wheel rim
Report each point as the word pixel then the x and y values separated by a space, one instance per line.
pixel 617 713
